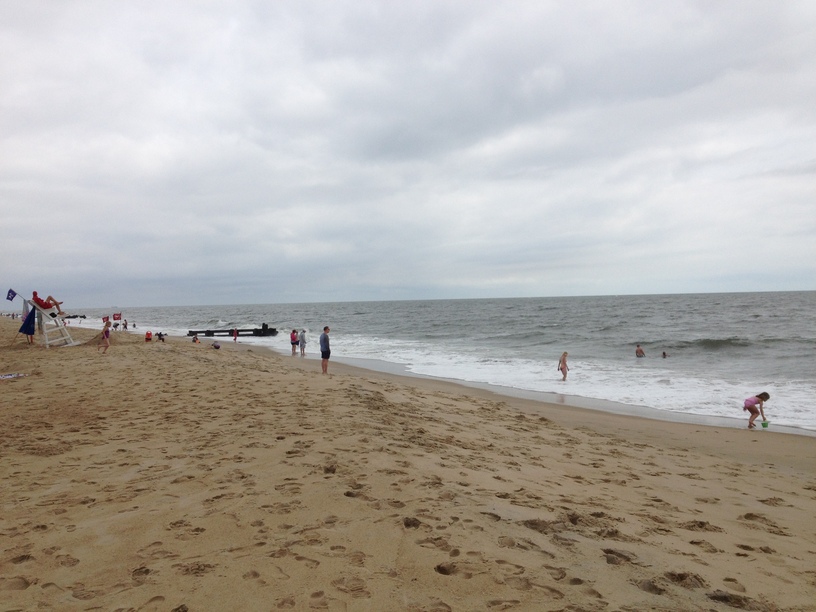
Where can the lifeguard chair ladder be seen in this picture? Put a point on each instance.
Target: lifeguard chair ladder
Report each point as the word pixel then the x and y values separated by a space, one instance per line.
pixel 53 327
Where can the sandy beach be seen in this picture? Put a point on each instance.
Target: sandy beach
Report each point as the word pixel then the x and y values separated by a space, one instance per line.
pixel 171 476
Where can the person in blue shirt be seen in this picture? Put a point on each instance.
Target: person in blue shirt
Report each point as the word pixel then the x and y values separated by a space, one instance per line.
pixel 325 349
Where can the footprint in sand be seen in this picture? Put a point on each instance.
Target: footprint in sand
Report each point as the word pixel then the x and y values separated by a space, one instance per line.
pixel 311 563
pixel 453 569
pixel 18 583
pixel 525 584
pixel 502 604
pixel 139 575
pixel 736 601
pixel 356 587
pixel 706 546
pixel 194 569
pixel 650 586
pixel 317 601
pixel 734 584
pixel 700 526
pixel 67 560
pixel 287 603
pixel 80 592
pixel 156 551
pixel 687 580
pixel 758 521
pixel 433 605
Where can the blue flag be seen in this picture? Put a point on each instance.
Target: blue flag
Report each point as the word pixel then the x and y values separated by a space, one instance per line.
pixel 29 327
pixel 11 295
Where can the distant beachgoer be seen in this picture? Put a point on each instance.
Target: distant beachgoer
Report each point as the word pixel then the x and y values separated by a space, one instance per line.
pixel 47 303
pixel 562 365
pixel 105 340
pixel 302 342
pixel 216 346
pixel 160 336
pixel 196 340
pixel 148 336
pixel 665 354
pixel 750 405
pixel 235 334
pixel 124 325
pixel 639 352
pixel 293 339
pixel 325 349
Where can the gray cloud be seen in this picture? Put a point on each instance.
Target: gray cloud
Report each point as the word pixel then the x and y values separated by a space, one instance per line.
pixel 176 153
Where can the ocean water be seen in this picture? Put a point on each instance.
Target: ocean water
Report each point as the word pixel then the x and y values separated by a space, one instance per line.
pixel 722 347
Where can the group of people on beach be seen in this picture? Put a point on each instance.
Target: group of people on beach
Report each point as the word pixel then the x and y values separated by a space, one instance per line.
pixel 755 405
pixel 298 340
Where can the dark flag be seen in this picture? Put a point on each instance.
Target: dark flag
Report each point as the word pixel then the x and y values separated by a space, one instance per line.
pixel 11 295
pixel 29 327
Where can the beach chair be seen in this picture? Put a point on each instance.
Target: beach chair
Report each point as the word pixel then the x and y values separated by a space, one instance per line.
pixel 53 327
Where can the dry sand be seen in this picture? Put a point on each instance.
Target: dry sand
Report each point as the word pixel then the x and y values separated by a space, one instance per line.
pixel 176 477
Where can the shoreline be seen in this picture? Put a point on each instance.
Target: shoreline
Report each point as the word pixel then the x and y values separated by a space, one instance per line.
pixel 569 401
pixel 672 393
pixel 170 476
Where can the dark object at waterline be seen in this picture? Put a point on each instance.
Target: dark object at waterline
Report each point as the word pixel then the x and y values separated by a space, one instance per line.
pixel 264 330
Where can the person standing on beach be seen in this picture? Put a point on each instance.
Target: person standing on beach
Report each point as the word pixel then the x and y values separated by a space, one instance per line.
pixel 562 365
pixel 325 349
pixel 302 342
pixel 639 351
pixel 750 405
pixel 105 340
pixel 293 338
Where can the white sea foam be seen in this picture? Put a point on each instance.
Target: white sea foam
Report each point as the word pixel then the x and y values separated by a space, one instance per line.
pixel 659 388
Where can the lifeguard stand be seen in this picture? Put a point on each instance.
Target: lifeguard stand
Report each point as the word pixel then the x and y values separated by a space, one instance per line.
pixel 53 326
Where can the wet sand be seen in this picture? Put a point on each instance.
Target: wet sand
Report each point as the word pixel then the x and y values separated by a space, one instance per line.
pixel 171 476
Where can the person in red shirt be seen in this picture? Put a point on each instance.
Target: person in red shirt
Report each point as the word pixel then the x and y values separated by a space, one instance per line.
pixel 46 303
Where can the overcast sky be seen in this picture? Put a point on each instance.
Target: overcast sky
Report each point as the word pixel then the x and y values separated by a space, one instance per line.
pixel 206 152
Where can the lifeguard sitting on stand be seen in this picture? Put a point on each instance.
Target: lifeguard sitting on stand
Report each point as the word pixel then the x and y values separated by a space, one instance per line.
pixel 46 304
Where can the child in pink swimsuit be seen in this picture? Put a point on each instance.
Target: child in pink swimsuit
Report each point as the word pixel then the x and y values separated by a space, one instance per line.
pixel 751 404
pixel 105 339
